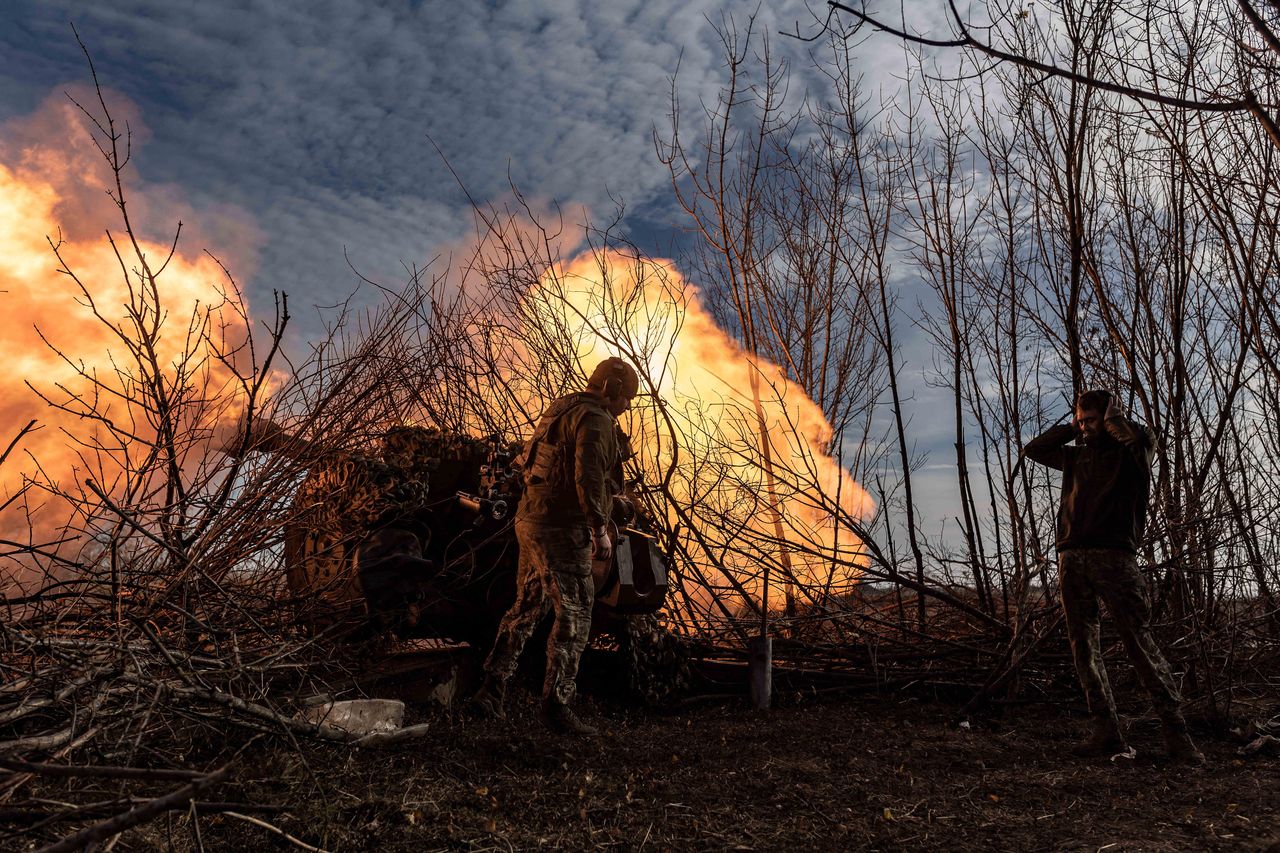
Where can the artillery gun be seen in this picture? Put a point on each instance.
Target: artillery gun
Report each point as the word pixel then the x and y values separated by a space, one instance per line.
pixel 418 539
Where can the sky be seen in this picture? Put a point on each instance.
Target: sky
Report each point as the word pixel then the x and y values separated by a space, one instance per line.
pixel 315 117
pixel 294 135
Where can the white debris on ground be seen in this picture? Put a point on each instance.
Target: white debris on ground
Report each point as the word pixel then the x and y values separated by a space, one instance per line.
pixel 358 716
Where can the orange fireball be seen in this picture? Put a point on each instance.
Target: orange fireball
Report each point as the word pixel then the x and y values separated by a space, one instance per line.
pixel 743 450
pixel 73 306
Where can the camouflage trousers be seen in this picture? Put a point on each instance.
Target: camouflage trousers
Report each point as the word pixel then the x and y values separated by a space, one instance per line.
pixel 554 575
pixel 1090 575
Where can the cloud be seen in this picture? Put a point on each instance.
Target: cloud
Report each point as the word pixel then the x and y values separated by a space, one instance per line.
pixel 314 114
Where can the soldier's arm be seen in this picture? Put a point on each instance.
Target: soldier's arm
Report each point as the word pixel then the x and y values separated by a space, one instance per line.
pixel 1049 448
pixel 617 475
pixel 1139 439
pixel 593 457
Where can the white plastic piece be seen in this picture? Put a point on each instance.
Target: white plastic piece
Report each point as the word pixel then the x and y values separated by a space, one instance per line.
pixel 358 716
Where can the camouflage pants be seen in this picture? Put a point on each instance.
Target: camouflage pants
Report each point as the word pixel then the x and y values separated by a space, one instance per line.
pixel 554 574
pixel 1091 574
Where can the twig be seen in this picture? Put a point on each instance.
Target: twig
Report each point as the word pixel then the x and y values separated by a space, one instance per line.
pixel 26 429
pixel 52 740
pixel 397 736
pixel 277 830
pixel 19 779
pixel 138 814
pixel 65 770
pixel 39 817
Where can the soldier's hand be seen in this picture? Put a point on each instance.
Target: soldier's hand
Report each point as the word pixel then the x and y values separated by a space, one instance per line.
pixel 603 549
pixel 1115 409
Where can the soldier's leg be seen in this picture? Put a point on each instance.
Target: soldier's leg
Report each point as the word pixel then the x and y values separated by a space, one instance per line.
pixel 572 600
pixel 531 605
pixel 1124 592
pixel 572 596
pixel 1080 609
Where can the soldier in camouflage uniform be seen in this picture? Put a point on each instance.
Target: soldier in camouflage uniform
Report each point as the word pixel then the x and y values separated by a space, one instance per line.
pixel 1106 483
pixel 572 470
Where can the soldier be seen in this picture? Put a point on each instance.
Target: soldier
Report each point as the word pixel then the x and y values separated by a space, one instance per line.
pixel 1106 483
pixel 572 470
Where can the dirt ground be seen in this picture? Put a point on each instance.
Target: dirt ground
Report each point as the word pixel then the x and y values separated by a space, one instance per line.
pixel 888 772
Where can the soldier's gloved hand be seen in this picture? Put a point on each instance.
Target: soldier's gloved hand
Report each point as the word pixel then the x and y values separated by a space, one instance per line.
pixel 1115 409
pixel 603 545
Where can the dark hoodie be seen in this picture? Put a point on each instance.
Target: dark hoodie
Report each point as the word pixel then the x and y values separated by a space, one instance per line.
pixel 1105 486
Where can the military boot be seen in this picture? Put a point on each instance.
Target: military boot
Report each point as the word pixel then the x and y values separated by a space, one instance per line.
pixel 1104 739
pixel 486 703
pixel 560 718
pixel 1181 749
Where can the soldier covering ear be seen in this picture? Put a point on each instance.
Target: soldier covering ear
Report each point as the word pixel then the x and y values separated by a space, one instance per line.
pixel 1102 517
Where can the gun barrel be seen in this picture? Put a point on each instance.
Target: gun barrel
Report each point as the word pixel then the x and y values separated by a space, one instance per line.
pixel 494 509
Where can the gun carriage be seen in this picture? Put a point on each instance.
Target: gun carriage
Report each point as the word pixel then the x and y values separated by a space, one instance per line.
pixel 419 540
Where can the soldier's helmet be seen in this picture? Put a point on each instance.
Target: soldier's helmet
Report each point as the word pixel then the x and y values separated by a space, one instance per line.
pixel 613 377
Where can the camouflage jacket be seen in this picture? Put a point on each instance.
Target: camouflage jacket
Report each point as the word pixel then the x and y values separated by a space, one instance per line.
pixel 572 464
